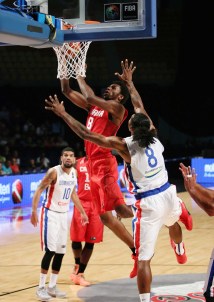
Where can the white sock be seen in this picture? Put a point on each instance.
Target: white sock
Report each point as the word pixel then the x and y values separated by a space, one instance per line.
pixel 42 280
pixel 53 279
pixel 145 297
pixel 179 248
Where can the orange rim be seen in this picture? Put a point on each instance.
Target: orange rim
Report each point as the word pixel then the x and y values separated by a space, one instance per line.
pixel 91 22
pixel 68 25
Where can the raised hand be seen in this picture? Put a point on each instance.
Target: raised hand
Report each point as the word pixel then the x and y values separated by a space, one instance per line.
pixel 127 71
pixel 189 176
pixel 54 105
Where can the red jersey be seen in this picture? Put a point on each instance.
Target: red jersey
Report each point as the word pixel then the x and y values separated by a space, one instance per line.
pixel 91 232
pixel 83 189
pixel 98 121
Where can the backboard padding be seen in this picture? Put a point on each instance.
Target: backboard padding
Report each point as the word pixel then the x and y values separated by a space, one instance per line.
pixel 116 21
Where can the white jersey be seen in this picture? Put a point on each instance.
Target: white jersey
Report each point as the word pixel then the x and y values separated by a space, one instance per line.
pixel 58 195
pixel 147 169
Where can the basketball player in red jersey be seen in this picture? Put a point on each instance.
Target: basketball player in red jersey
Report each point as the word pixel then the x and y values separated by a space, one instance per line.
pixel 91 233
pixel 105 116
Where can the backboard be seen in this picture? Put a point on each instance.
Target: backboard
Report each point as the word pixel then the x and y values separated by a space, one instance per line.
pixel 91 20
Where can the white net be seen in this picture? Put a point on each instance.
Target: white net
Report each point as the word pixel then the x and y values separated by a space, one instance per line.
pixel 71 59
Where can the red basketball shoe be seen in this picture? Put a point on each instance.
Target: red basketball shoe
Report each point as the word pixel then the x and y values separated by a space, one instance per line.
pixel 186 217
pixel 134 271
pixel 79 279
pixel 181 259
pixel 74 272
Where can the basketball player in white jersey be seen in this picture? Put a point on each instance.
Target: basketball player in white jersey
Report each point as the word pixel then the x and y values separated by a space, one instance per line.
pixel 126 77
pixel 157 202
pixel 60 185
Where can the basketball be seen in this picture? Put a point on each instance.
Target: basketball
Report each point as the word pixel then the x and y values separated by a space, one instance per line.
pixel 71 56
pixel 17 191
pixel 73 48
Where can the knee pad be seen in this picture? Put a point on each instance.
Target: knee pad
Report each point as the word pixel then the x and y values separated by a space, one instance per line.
pixel 46 260
pixel 57 262
pixel 76 245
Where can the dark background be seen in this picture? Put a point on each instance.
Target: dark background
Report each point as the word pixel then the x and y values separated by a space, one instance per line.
pixel 174 76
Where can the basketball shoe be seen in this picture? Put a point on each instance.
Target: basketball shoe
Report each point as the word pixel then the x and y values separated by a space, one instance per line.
pixel 208 298
pixel 55 292
pixel 74 272
pixel 134 271
pixel 181 259
pixel 42 294
pixel 186 217
pixel 79 279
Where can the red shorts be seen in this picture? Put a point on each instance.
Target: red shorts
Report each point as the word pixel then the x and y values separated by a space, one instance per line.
pixel 92 232
pixel 104 184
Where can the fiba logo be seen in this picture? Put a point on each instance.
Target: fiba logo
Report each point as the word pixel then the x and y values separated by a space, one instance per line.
pixel 129 11
pixel 112 12
pixel 17 191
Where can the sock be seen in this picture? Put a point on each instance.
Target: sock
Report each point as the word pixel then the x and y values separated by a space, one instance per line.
pixel 42 280
pixel 145 297
pixel 179 248
pixel 53 279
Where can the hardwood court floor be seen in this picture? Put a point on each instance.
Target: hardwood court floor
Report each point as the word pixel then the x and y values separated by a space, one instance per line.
pixel 21 256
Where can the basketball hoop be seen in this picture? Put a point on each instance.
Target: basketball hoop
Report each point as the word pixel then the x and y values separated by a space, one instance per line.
pixel 71 58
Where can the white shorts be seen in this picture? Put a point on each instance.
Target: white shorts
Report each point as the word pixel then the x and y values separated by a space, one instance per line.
pixel 54 230
pixel 152 213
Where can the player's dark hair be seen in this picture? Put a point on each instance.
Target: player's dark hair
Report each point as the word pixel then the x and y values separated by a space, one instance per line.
pixel 67 149
pixel 124 91
pixel 142 133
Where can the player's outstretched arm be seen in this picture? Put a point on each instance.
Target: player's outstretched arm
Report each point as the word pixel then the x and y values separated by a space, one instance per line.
pixel 74 96
pixel 85 89
pixel 204 197
pixel 126 76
